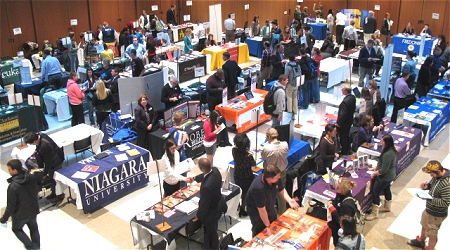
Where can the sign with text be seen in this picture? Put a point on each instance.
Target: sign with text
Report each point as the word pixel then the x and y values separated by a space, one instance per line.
pixel 187 69
pixel 9 73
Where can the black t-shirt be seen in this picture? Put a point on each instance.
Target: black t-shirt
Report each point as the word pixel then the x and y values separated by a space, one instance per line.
pixel 262 194
pixel 137 66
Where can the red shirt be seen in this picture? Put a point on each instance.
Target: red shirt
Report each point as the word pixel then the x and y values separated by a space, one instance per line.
pixel 210 136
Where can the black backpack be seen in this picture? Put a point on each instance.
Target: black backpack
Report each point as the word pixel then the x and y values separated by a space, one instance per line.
pixel 269 101
pixel 309 68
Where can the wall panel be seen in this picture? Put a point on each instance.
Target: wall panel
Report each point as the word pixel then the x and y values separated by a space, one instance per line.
pixel 51 20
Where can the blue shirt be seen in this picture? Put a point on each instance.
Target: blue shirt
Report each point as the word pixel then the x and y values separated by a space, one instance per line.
pixel 140 50
pixel 409 66
pixel 50 66
pixel 187 44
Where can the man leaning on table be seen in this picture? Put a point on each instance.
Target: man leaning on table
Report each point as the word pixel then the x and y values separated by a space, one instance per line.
pixel 261 198
pixel 51 70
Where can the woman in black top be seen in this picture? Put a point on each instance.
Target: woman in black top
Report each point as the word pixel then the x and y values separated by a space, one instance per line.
pixel 210 41
pixel 102 102
pixel 327 148
pixel 89 90
pixel 146 120
pixel 327 48
pixel 424 78
pixel 243 163
pixel 409 29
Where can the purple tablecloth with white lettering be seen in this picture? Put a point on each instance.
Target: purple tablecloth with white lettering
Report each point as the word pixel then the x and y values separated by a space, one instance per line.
pixel 113 179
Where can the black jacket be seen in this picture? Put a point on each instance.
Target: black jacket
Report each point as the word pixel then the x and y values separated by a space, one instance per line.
pixel 212 87
pixel 210 195
pixel 232 71
pixel 364 55
pixel 143 119
pixel 22 201
pixel 346 111
pixel 169 92
pixel 277 65
pixel 50 153
pixel 114 87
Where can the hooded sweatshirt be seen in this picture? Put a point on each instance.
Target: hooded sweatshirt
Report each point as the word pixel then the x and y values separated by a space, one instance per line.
pixel 74 92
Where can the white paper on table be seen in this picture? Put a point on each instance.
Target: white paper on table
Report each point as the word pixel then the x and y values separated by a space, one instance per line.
pixel 123 147
pixel 80 175
pixel 121 157
pixel 254 100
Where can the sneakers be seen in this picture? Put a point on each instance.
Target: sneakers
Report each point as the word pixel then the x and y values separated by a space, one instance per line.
pixel 416 243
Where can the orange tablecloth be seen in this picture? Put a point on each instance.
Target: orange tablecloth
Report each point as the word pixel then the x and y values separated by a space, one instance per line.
pixel 243 118
pixel 292 225
pixel 238 53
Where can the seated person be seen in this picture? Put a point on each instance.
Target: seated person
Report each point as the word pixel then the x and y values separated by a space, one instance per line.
pixel 171 93
pixel 365 133
pixel 210 41
pixel 107 54
pixel 105 73
pixel 179 136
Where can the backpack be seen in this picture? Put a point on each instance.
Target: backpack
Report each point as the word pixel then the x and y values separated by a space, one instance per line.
pixel 345 247
pixel 293 73
pixel 310 69
pixel 358 217
pixel 269 101
pixel 158 25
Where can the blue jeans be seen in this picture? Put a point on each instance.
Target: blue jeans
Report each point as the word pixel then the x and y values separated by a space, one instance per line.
pixel 380 186
pixel 73 62
pixel 17 228
pixel 315 90
pixel 90 109
pixel 306 88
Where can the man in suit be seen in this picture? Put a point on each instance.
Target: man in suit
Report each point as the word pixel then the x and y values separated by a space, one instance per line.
pixel 171 15
pixel 114 87
pixel 366 58
pixel 208 207
pixel 345 118
pixel 277 62
pixel 370 26
pixel 231 71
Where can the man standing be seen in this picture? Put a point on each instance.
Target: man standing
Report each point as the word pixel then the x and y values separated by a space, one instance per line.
pixel 171 93
pixel 266 65
pixel 208 207
pixel 137 66
pixel 114 87
pixel 231 72
pixel 214 89
pixel 436 209
pixel 230 27
pixel 108 34
pixel 261 197
pixel 310 39
pixel 277 61
pixel 139 48
pixel 369 27
pixel 22 204
pixel 340 25
pixel 366 58
pixel 279 99
pixel 401 91
pixel 51 70
pixel 275 153
pixel 293 71
pixel 345 118
pixel 305 64
pixel 170 15
pixel 350 36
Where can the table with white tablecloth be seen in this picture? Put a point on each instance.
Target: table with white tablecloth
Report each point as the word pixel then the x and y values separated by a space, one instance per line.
pixel 337 69
pixel 57 101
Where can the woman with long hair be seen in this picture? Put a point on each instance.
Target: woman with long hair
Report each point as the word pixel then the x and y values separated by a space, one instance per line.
pixel 442 42
pixel 255 26
pixel 408 30
pixel 243 163
pixel 211 128
pixel 386 30
pixel 76 96
pixel 330 22
pixel 315 86
pixel 146 120
pixel 365 132
pixel 210 41
pixel 89 91
pixel 365 103
pixel 424 78
pixel 172 179
pixel 327 147
pixel 348 235
pixel 102 102
pixel 382 177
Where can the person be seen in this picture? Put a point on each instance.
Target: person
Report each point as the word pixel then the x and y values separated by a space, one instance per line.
pixel 137 66
pixel 275 153
pixel 266 65
pixel 52 157
pixel 170 15
pixel 401 92
pixel 370 26
pixel 408 30
pixel 107 54
pixel 279 99
pixel 424 78
pixel 343 204
pixel 188 41
pixel 286 38
pixel 294 32
pixel 102 101
pixel 73 51
pixel 374 92
pixel 379 52
pixel 365 133
pixel 144 21
pixel 426 30
pixel 230 27
pixel 108 35
pixel 254 27
pixel 139 48
pixel 345 118
pixel 350 237
pixel 76 96
pixel 278 62
pixel 200 33
pixel 211 128
pixel 171 94
pixel 51 70
pixel 330 22
pixel 315 86
pixel 350 36
pixel 172 179
pixel 386 29
pixel 146 120
pixel 261 197
pixel 22 204
pixel 275 34
pixel 114 87
pixel 442 42
pixel 310 39
pixel 214 88
pixel 410 66
pixel 105 73
pixel 209 205
pixel 365 104
pixel 327 149
pixel 327 48
pixel 90 51
pixel 123 41
pixel 436 208
pixel 298 14
pixel 437 66
pixel 341 18
pixel 151 48
pixel 210 41
pixel 179 136
pixel 90 84
pixel 265 32
pixel 383 175
pixel 47 45
pixel 366 59
pixel 304 62
pixel 243 163
pixel 291 88
pixel 231 72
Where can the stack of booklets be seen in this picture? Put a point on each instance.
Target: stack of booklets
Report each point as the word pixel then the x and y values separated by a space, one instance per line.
pixel 189 206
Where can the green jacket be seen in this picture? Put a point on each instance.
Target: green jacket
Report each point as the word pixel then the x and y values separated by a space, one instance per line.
pixel 386 166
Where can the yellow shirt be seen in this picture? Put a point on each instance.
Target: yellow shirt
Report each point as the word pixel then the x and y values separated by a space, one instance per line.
pixel 108 55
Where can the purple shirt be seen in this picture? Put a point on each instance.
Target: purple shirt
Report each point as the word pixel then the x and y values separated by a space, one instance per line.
pixel 401 88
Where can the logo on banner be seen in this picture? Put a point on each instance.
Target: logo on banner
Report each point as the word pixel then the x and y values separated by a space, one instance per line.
pixel 410 47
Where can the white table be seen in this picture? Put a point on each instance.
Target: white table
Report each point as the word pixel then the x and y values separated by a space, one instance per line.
pixel 57 101
pixel 65 138
pixel 337 69
pixel 314 130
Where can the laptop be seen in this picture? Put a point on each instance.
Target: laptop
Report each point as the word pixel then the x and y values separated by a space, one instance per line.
pixel 356 92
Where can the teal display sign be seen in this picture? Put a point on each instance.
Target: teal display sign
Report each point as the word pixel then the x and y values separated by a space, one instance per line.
pixel 9 73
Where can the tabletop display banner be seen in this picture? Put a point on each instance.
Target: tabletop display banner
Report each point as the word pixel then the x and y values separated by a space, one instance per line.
pixel 187 68
pixel 225 97
pixel 10 74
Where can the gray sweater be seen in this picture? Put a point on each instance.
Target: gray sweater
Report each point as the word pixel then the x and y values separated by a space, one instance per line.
pixel 279 96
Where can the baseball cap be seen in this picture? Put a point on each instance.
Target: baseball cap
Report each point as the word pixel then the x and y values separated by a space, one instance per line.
pixel 432 166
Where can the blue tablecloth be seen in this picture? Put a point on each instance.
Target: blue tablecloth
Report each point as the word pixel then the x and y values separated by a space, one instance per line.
pixel 319 30
pixel 431 112
pixel 440 91
pixel 404 43
pixel 112 179
pixel 255 46
pixel 35 86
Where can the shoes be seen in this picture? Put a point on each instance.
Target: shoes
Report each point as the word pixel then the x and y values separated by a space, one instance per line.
pixel 242 213
pixel 225 144
pixel 58 198
pixel 52 196
pixel 416 243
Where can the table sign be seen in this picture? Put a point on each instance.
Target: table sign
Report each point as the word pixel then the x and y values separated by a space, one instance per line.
pixel 400 115
pixel 224 97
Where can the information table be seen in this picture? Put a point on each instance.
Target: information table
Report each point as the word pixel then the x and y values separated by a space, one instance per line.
pixel 57 101
pixel 403 43
pixel 431 112
pixel 238 53
pixel 295 226
pixel 314 126
pixel 255 46
pixel 113 123
pixel 440 91
pixel 319 30
pixel 245 118
pixel 97 182
pixel 337 69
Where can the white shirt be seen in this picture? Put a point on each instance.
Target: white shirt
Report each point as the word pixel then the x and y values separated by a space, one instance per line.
pixel 340 18
pixel 171 176
pixel 229 24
